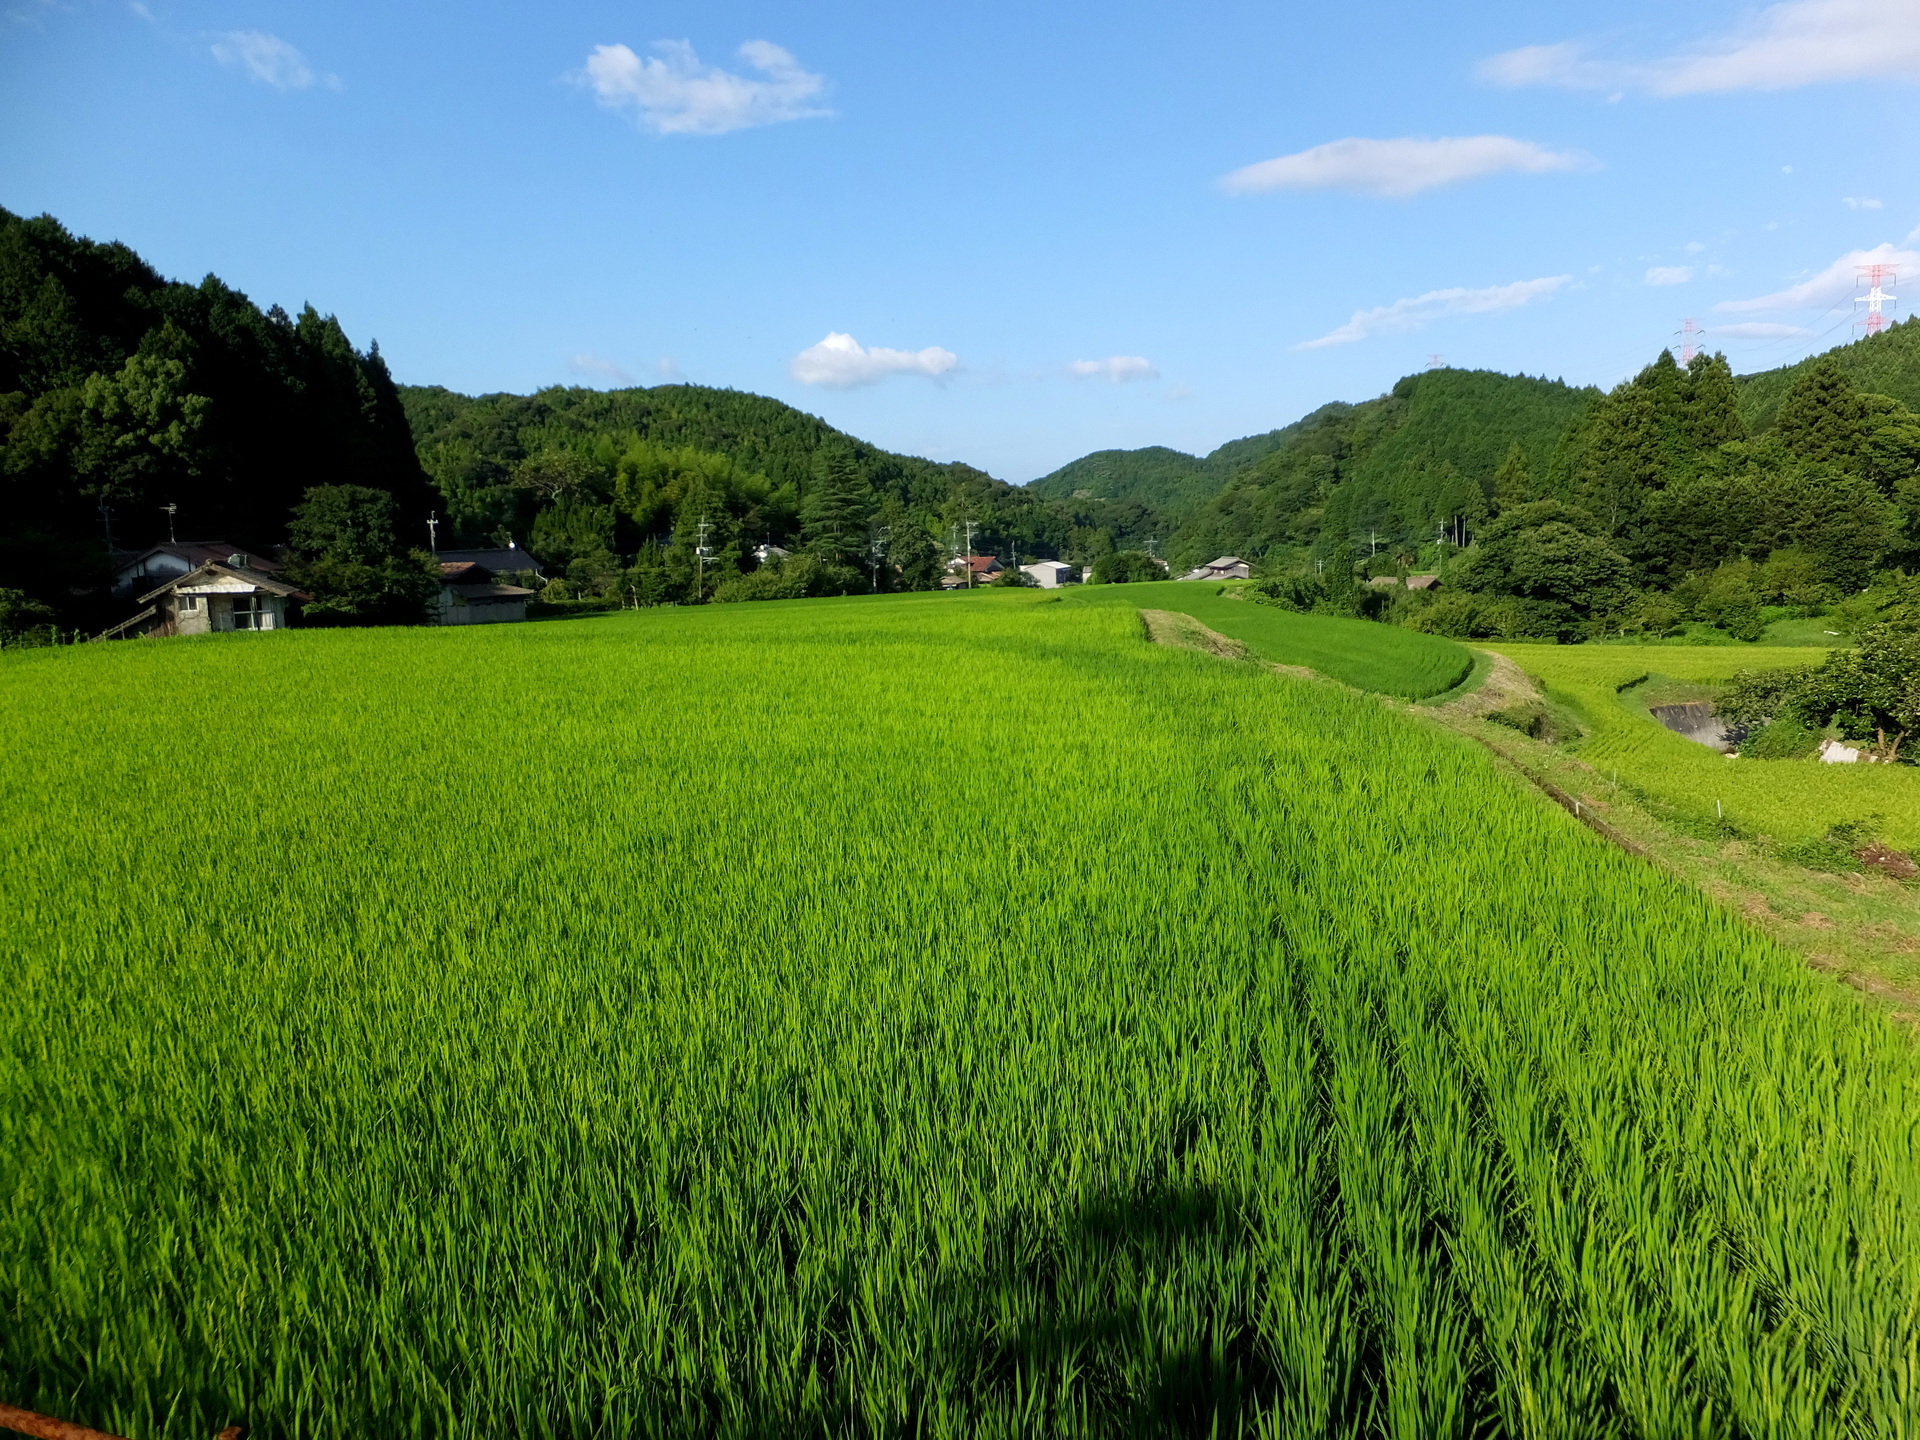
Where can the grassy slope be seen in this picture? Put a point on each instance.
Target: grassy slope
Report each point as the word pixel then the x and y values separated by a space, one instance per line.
pixel 1383 658
pixel 1780 799
pixel 958 1017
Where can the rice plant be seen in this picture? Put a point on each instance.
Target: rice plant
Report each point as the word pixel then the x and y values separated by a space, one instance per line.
pixel 927 1015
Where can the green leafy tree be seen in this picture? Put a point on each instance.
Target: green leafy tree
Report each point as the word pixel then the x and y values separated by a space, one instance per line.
pixel 344 555
pixel 1513 481
pixel 1124 567
pixel 836 510
pixel 24 621
pixel 1822 417
pixel 1552 556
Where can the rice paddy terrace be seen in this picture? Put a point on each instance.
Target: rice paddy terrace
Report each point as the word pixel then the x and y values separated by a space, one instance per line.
pixel 932 1015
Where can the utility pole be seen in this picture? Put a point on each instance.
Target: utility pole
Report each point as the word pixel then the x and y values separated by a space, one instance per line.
pixel 106 519
pixel 700 553
pixel 969 554
pixel 433 532
pixel 170 508
pixel 876 552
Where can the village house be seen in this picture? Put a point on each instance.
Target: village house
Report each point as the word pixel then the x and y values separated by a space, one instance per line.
pixel 511 560
pixel 1412 582
pixel 211 598
pixel 979 568
pixel 1051 574
pixel 470 595
pixel 135 571
pixel 1227 567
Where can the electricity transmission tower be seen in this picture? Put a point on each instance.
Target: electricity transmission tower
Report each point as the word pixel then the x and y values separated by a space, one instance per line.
pixel 1688 329
pixel 1874 277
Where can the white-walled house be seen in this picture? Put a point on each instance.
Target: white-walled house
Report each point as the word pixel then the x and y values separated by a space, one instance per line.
pixel 470 595
pixel 210 599
pixel 1051 574
pixel 135 571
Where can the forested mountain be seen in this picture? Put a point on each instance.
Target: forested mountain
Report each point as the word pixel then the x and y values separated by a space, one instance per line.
pixel 598 483
pixel 1418 461
pixel 1884 364
pixel 122 389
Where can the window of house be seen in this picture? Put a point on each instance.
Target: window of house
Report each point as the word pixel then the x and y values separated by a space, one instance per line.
pixel 248 612
pixel 189 602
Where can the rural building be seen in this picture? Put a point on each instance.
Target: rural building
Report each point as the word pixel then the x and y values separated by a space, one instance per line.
pixel 209 599
pixel 981 569
pixel 765 552
pixel 470 595
pixel 510 561
pixel 135 571
pixel 1227 567
pixel 1412 582
pixel 1051 574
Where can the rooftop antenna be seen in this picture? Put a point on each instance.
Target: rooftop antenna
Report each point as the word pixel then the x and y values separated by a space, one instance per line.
pixel 1873 277
pixel 433 532
pixel 170 508
pixel 1688 329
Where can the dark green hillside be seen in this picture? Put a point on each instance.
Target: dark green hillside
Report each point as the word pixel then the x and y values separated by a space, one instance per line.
pixel 1167 479
pixel 1423 456
pixel 123 389
pixel 606 484
pixel 1883 364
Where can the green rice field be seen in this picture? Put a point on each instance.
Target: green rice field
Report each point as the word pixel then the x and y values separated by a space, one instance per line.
pixel 1781 799
pixel 934 1015
pixel 1383 658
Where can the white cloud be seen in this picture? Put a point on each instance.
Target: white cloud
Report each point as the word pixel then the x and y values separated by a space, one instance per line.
pixel 1853 204
pixel 1179 390
pixel 1758 330
pixel 1839 281
pixel 1399 168
pixel 142 11
pixel 674 94
pixel 588 363
pixel 1802 42
pixel 270 60
pixel 1669 274
pixel 842 363
pixel 1118 369
pixel 1694 247
pixel 1436 305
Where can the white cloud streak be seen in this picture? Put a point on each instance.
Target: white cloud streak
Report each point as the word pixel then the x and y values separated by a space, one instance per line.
pixel 1116 369
pixel 1399 168
pixel 1802 42
pixel 1758 330
pixel 1839 281
pixel 587 363
pixel 1412 314
pixel 1669 274
pixel 672 93
pixel 840 362
pixel 270 60
pixel 1854 203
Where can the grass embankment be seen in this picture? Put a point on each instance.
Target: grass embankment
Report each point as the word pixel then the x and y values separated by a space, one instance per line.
pixel 1781 800
pixel 887 1017
pixel 1381 658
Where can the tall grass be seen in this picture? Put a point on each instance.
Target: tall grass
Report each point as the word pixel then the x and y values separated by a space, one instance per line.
pixel 891 1017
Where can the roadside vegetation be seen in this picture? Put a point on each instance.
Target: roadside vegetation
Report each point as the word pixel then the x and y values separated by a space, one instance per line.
pixel 921 1014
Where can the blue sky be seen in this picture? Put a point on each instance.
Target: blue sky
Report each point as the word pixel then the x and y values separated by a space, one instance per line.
pixel 1008 234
